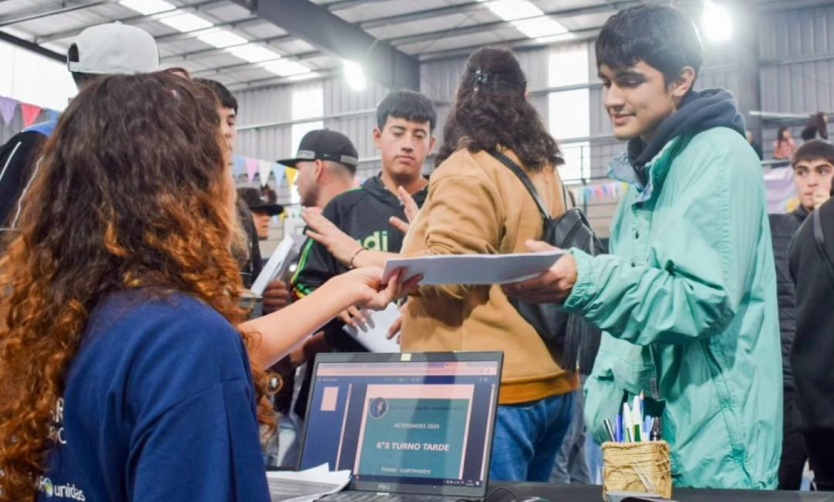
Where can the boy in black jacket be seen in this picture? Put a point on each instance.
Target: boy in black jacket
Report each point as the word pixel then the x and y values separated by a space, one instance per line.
pixel 812 268
pixel 403 136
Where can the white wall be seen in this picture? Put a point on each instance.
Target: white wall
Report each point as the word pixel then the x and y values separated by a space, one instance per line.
pixel 34 79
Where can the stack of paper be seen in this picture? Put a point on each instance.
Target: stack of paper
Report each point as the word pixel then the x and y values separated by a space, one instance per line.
pixel 306 486
pixel 474 269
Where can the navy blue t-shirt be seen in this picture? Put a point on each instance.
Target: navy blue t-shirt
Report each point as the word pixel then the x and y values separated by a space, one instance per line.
pixel 159 405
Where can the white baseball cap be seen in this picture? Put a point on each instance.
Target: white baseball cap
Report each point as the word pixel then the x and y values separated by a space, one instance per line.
pixel 113 48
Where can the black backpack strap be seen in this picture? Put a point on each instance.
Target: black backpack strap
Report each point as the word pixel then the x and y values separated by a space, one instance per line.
pixel 528 184
pixel 819 240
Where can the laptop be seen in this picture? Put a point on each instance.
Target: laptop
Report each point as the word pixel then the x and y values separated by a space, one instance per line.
pixel 407 426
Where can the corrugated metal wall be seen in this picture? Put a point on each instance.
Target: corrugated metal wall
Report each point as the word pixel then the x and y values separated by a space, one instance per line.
pixel 340 98
pixel 263 106
pixel 796 51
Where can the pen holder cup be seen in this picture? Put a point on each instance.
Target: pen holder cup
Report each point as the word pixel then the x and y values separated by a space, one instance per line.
pixel 637 467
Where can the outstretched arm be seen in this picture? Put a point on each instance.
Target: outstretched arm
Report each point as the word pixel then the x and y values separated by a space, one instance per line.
pixel 280 332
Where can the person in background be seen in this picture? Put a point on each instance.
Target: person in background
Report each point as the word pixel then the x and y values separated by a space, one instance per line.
pixel 404 137
pixel 784 146
pixel 130 374
pixel 813 166
pixel 263 206
pixel 477 205
pixel 105 49
pixel 246 250
pixel 812 270
pixel 687 298
pixel 326 162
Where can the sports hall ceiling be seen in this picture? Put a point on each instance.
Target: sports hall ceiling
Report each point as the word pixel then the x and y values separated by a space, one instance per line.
pixel 253 43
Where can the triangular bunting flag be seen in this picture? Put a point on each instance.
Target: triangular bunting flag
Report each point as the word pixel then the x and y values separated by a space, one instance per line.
pixel 264 169
pixel 292 174
pixel 357 181
pixel 278 171
pixel 251 169
pixel 30 113
pixel 238 167
pixel 7 107
pixel 52 115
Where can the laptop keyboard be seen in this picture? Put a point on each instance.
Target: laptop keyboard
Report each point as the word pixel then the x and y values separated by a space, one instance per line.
pixel 353 496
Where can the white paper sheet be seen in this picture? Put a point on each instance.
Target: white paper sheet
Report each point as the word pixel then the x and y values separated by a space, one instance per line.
pixel 305 486
pixel 277 264
pixel 372 335
pixel 475 269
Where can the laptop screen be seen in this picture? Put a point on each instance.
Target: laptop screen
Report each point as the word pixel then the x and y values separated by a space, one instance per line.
pixel 412 423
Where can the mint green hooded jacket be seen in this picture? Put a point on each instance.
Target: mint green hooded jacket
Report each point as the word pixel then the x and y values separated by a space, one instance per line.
pixel 687 303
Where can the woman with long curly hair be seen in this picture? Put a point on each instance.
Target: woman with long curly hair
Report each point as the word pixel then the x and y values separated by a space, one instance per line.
pixel 476 204
pixel 123 375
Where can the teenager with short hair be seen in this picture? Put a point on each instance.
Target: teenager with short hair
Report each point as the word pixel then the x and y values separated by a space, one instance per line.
pixel 687 297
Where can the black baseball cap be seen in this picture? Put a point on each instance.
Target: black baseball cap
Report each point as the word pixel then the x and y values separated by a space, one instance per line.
pixel 261 201
pixel 325 144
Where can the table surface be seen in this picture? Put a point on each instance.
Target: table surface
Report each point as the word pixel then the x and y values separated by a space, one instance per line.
pixel 592 493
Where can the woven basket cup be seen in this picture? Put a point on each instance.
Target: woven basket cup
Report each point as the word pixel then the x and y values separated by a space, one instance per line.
pixel 637 467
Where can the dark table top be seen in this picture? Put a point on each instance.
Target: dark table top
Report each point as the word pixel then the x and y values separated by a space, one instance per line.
pixel 592 493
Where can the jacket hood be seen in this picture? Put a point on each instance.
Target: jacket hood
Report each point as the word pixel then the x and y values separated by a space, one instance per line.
pixel 699 111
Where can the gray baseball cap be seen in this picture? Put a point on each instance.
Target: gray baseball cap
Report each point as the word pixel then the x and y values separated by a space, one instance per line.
pixel 113 49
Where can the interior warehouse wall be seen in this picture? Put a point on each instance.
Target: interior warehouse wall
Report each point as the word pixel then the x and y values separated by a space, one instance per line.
pixel 795 50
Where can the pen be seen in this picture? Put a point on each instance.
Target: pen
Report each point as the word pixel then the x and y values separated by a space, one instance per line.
pixel 628 424
pixel 637 417
pixel 657 427
pixel 610 430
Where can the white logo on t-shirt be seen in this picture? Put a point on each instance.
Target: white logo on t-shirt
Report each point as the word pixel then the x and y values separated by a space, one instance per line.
pixel 67 491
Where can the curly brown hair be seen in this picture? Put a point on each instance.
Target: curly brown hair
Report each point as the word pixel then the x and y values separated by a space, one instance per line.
pixel 491 109
pixel 131 192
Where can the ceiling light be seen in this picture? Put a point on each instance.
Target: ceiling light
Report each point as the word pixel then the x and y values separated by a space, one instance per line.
pixel 253 53
pixel 286 68
pixel 510 10
pixel 539 27
pixel 354 75
pixel 148 7
pixel 186 22
pixel 222 39
pixel 717 22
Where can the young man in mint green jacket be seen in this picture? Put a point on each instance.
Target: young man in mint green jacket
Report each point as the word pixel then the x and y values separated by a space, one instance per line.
pixel 687 297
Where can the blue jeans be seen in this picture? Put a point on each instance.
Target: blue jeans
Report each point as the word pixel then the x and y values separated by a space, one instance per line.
pixel 571 464
pixel 528 437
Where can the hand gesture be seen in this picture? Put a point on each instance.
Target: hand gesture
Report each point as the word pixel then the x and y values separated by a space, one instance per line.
pixel 410 208
pixel 553 286
pixel 821 197
pixel 342 246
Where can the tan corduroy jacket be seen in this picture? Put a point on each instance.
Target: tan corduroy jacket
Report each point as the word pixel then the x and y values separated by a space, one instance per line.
pixel 476 204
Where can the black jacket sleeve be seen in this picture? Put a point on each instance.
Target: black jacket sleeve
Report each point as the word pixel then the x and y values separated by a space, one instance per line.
pixel 17 158
pixel 315 267
pixel 782 229
pixel 813 345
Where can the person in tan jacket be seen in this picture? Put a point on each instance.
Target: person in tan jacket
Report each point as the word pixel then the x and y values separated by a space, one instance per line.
pixel 475 204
